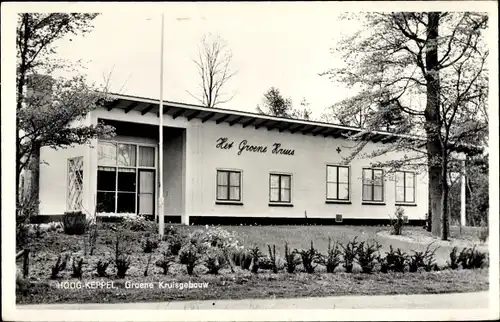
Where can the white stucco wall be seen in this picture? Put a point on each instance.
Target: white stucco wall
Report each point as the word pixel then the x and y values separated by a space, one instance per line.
pixel 54 176
pixel 307 166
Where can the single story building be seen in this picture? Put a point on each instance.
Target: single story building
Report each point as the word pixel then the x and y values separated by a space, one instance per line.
pixel 226 167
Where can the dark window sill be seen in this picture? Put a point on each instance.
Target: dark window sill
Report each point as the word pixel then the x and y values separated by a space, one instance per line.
pixel 406 204
pixel 229 203
pixel 373 203
pixel 340 202
pixel 272 204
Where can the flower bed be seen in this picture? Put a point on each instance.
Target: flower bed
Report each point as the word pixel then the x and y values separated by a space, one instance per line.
pixel 130 252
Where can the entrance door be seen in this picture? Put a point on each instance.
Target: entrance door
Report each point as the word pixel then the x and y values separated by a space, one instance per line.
pixel 146 192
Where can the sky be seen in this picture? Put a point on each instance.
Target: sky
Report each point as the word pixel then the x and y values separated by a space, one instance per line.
pixel 284 45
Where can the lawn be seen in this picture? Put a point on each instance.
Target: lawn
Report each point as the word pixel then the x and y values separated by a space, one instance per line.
pixel 241 283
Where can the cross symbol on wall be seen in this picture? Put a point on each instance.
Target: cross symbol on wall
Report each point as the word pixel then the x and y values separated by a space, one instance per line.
pixel 338 150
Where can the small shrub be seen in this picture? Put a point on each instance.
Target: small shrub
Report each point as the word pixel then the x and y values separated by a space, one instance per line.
pixel 189 256
pixel 471 258
pixel 139 223
pixel 366 256
pixel 74 223
pixel 310 257
pixel 77 267
pixel 59 266
pixel 214 260
pixel 147 264
pixel 148 246
pixel 92 236
pixel 171 230
pixel 166 261
pixel 425 260
pixel 453 263
pixel 256 258
pixel 122 263
pixel 101 267
pixel 396 260
pixel 174 243
pixel 246 260
pixel 272 257
pixel 291 259
pixel 398 222
pixel 349 254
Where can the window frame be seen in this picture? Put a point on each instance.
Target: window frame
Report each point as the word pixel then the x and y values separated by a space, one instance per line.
pixel 228 200
pixel 404 201
pixel 338 200
pixel 280 201
pixel 372 185
pixel 136 168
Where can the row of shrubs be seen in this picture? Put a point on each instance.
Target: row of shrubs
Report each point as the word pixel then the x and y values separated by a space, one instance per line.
pixel 216 248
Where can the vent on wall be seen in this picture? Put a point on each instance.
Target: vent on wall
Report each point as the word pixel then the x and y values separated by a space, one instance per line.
pixel 338 218
pixel 405 219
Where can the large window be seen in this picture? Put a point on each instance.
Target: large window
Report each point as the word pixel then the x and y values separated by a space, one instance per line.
pixel 373 185
pixel 118 166
pixel 228 185
pixel 337 182
pixel 280 188
pixel 405 187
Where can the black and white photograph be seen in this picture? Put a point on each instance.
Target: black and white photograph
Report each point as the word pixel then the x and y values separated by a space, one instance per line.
pixel 250 161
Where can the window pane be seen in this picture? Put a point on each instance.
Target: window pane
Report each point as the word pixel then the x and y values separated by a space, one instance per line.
pixel 367 176
pixel 106 153
pixel 126 202
pixel 331 190
pixel 367 192
pixel 274 181
pixel 105 202
pixel 126 155
pixel 343 174
pixel 222 178
pixel 222 192
pixel 400 195
pixel 377 193
pixel 126 180
pixel 285 195
pixel 146 204
pixel 377 177
pixel 409 195
pixel 234 178
pixel 146 156
pixel 234 193
pixel 274 194
pixel 343 191
pixel 399 176
pixel 106 178
pixel 410 179
pixel 331 174
pixel 285 182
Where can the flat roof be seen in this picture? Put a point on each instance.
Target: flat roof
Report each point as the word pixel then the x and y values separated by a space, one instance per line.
pixel 145 105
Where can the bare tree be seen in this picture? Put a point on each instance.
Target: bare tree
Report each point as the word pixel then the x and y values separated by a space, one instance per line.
pixel 213 65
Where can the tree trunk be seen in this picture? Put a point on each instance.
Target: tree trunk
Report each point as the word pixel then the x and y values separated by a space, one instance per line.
pixel 444 198
pixel 34 188
pixel 433 122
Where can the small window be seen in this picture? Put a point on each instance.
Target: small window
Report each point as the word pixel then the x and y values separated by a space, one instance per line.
pixel 337 182
pixel 280 188
pixel 75 183
pixel 405 187
pixel 228 185
pixel 373 185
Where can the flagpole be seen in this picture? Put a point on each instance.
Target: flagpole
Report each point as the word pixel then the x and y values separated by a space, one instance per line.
pixel 161 218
